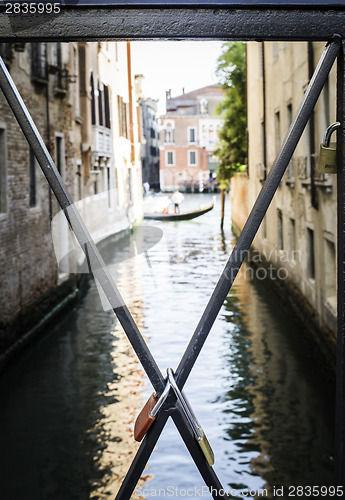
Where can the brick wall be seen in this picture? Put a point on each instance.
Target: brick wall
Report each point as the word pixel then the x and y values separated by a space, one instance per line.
pixel 28 267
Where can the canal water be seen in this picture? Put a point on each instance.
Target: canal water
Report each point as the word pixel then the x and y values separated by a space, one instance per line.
pixel 69 401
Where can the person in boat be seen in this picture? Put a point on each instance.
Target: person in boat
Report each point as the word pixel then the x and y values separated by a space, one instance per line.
pixel 177 198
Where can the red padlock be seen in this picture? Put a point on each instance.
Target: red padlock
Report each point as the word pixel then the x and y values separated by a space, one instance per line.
pixel 145 419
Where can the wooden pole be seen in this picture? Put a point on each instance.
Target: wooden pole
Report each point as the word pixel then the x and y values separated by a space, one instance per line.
pixel 222 198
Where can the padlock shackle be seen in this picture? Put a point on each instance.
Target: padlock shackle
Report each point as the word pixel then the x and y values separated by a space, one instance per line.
pixel 160 402
pixel 185 405
pixel 329 132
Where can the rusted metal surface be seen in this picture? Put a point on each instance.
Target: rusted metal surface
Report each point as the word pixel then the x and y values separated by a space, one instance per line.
pixel 149 23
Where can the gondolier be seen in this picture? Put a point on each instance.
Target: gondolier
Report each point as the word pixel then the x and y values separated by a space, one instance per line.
pixel 177 198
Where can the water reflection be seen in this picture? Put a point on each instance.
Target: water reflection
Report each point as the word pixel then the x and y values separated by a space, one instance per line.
pixel 280 407
pixel 70 401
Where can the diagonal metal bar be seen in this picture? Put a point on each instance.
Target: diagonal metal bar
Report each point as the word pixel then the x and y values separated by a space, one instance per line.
pixel 95 261
pixel 258 211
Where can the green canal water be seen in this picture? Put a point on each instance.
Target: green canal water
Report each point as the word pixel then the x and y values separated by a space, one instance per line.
pixel 69 401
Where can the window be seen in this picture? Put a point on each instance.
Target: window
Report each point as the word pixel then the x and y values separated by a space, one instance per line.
pixel 204 133
pixel 280 230
pixel 123 110
pixel 191 134
pixel 292 238
pixel 6 52
pixel 211 133
pixel 77 83
pixel 170 158
pixel 82 68
pixel 60 155
pixel 330 268
pixel 3 171
pixel 39 66
pixel 60 78
pixel 106 106
pixel 290 170
pixel 33 180
pixel 277 131
pixel 169 133
pixel 100 105
pixel 310 254
pixel 93 101
pixel 191 158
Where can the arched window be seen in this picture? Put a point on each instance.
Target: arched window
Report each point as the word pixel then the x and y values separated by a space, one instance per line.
pixel 211 132
pixel 100 105
pixel 93 103
pixel 204 133
pixel 169 133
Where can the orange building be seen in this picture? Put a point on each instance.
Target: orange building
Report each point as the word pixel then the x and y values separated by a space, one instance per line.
pixel 189 133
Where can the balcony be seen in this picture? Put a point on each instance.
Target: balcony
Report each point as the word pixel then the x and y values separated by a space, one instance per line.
pixel 101 141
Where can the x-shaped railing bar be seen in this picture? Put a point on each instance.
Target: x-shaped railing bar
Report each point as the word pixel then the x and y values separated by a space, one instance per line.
pixel 102 275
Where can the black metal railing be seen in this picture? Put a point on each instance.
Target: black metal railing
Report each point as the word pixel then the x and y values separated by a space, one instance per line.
pixel 101 273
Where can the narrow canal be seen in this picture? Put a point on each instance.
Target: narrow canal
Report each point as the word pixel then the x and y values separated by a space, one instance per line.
pixel 69 401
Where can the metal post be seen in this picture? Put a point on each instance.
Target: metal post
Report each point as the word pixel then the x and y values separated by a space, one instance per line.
pixel 340 387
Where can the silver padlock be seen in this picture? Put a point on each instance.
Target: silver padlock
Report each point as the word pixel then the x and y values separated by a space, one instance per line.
pixel 196 427
pixel 328 152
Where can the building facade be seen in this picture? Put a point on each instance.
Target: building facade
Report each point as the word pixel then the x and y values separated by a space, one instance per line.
pixel 189 133
pixel 150 143
pixel 298 234
pixel 80 96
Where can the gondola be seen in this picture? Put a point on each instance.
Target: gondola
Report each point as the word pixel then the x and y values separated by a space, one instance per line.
pixel 179 216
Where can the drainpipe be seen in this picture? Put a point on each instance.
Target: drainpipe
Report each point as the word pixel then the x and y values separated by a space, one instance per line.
pixel 314 201
pixel 49 148
pixel 130 99
pixel 131 126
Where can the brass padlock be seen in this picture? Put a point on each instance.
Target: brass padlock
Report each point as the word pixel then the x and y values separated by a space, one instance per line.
pixel 205 446
pixel 328 152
